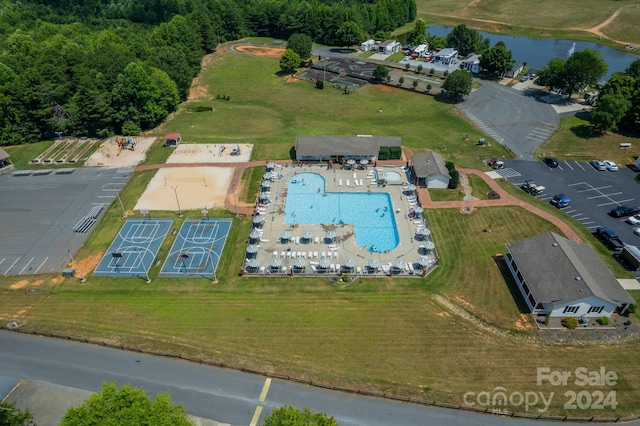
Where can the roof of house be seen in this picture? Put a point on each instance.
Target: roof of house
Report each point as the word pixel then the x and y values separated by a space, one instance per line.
pixel 388 43
pixel 428 164
pixel 446 52
pixel 3 154
pixel 472 58
pixel 172 136
pixel 517 66
pixel 559 270
pixel 344 145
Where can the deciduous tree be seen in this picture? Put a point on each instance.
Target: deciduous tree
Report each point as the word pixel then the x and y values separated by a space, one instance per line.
pixel 466 40
pixel 301 44
pixel 418 35
pixel 381 72
pixel 126 406
pixel 608 112
pixel 289 61
pixel 12 416
pixel 349 33
pixel 458 84
pixel 498 59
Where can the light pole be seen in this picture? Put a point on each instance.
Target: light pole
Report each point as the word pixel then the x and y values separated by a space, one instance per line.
pixel 184 257
pixel 124 212
pixel 235 201
pixel 175 191
pixel 82 278
pixel 143 268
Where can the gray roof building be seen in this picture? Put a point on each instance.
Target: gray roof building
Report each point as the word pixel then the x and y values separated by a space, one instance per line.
pixel 325 147
pixel 428 167
pixel 558 270
pixel 3 154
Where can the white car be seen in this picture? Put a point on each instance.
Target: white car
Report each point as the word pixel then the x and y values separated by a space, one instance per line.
pixel 611 166
pixel 598 165
pixel 636 231
pixel 634 220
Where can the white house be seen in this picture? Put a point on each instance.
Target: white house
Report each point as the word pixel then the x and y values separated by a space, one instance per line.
pixel 428 169
pixel 471 64
pixel 564 278
pixel 447 56
pixel 421 50
pixel 389 47
pixel 367 45
pixel 515 70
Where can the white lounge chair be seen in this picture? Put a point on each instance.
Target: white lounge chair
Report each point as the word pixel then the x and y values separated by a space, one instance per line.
pixel 411 269
pixel 348 182
pixel 313 267
pixel 317 240
pixel 262 269
pixel 339 182
pixel 284 269
pixel 315 254
pixel 355 175
pixel 310 255
pixel 361 184
pixel 262 240
pixel 304 254
pixel 275 254
pixel 282 254
pixel 358 270
pixel 297 239
pixel 288 255
pixel 323 255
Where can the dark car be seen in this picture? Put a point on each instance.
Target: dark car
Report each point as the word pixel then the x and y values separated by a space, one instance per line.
pixel 551 162
pixel 560 201
pixel 624 211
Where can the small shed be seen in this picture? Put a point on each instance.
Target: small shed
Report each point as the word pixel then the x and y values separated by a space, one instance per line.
pixel 365 46
pixel 172 139
pixel 429 169
pixel 515 70
pixel 4 158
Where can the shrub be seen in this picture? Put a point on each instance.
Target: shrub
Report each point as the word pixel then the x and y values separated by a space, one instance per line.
pixel 603 320
pixel 419 69
pixel 627 322
pixel 384 153
pixel 445 73
pixel 319 84
pixel 395 153
pixel 429 87
pixel 455 179
pixel 570 322
pixel 449 165
pixel 632 308
pixel 407 66
pixel 432 71
pixel 547 319
pixel 401 80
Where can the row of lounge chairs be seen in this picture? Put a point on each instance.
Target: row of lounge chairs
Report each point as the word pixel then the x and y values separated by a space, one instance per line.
pixel 305 255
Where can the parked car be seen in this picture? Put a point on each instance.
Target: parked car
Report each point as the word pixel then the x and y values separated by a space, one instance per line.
pixel 624 211
pixel 634 220
pixel 598 165
pixel 609 238
pixel 551 162
pixel 532 76
pixel 611 166
pixel 560 201
pixel 636 231
pixel 524 78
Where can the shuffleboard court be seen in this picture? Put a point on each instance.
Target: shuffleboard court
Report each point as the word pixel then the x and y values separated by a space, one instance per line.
pixel 134 249
pixel 197 248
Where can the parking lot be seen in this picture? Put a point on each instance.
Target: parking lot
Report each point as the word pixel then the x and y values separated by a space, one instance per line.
pixel 41 209
pixel 593 193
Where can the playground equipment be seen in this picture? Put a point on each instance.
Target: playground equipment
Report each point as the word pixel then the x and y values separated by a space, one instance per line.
pixel 125 143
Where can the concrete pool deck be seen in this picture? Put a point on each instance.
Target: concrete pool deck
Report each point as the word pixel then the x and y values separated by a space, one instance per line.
pixel 345 247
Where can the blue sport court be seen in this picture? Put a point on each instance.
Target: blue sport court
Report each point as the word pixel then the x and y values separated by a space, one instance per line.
pixel 134 249
pixel 197 248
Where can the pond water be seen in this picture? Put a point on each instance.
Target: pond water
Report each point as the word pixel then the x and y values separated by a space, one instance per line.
pixel 537 52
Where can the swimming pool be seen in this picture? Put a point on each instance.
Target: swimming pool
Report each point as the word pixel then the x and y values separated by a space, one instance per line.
pixel 371 214
pixel 391 176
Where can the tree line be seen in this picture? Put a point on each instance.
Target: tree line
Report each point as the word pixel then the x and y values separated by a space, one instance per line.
pixel 104 67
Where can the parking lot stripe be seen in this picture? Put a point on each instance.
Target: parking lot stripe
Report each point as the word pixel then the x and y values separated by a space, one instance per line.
pixel 105 196
pixel 603 195
pixel 579 165
pixel 593 188
pixel 577 183
pixel 25 266
pixel 568 165
pixel 45 259
pixel 619 202
pixel 579 219
pixel 576 215
pixel 569 211
pixel 7 271
pixel 586 223
pixel 2 261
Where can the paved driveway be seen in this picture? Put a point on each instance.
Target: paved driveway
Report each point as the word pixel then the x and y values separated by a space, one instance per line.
pixel 38 214
pixel 593 193
pixel 511 117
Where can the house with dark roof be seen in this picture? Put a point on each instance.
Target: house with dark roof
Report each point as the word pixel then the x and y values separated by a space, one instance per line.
pixel 515 70
pixel 564 278
pixel 428 169
pixel 389 47
pixel 324 148
pixel 4 158
pixel 471 63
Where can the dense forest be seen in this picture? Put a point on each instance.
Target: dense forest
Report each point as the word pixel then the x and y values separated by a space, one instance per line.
pixel 103 67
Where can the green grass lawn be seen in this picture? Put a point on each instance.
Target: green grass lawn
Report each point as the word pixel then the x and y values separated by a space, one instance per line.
pixel 561 19
pixel 574 141
pixel 438 194
pixel 479 187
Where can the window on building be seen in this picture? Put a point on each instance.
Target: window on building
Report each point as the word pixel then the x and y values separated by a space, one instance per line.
pixel 596 309
pixel 570 309
pixel 532 301
pixel 525 287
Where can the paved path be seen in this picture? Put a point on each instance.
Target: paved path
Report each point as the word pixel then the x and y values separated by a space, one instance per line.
pixel 506 199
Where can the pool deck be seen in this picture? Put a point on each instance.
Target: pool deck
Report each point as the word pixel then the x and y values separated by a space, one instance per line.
pixel 344 246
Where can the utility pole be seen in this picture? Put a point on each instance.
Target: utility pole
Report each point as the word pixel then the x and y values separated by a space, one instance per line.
pixel 75 265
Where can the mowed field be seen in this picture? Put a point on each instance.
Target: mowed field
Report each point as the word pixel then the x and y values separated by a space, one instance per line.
pixel 544 18
pixel 409 337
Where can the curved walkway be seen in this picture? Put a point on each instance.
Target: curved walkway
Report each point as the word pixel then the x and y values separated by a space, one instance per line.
pixel 506 199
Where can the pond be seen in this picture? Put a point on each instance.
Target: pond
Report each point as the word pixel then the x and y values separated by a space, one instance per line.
pixel 537 52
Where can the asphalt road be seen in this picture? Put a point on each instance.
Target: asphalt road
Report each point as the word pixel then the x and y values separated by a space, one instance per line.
pixel 510 116
pixel 38 213
pixel 214 393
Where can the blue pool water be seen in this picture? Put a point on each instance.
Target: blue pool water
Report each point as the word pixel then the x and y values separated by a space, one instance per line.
pixel 371 214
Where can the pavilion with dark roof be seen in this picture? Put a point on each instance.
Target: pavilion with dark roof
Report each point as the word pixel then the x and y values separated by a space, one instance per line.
pixel 4 158
pixel 324 148
pixel 564 278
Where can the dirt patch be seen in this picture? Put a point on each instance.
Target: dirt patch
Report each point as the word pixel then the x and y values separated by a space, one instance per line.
pixel 443 314
pixel 24 310
pixel 198 89
pixel 88 264
pixel 209 153
pixel 293 79
pixel 109 155
pixel 271 52
pixel 522 323
pixel 381 88
pixel 18 285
